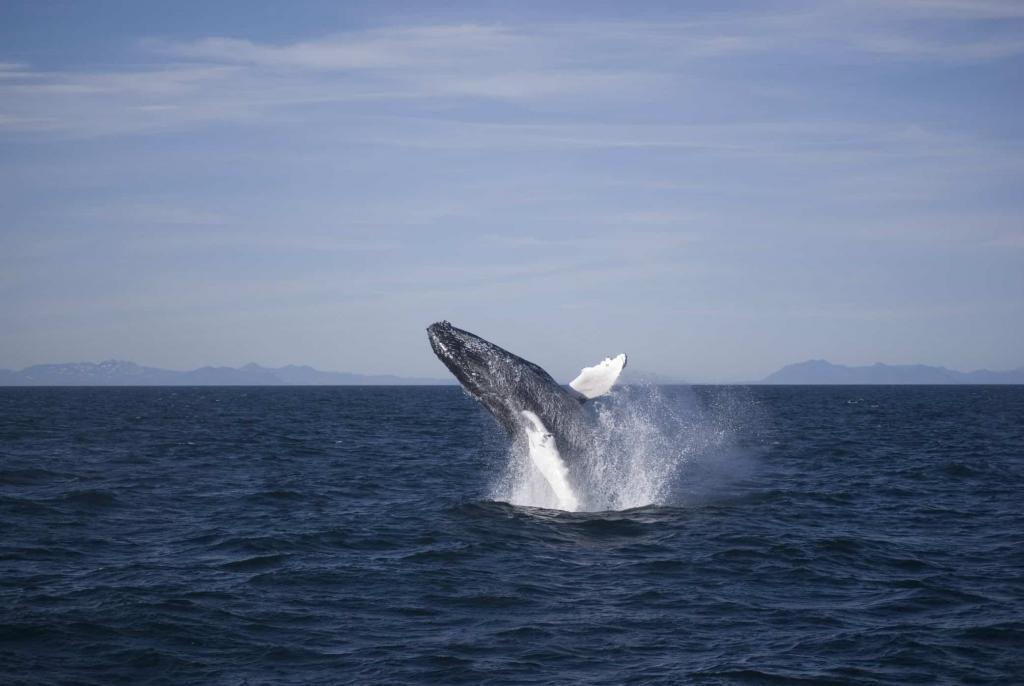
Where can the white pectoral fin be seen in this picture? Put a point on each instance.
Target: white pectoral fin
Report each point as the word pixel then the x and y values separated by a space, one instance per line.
pixel 595 381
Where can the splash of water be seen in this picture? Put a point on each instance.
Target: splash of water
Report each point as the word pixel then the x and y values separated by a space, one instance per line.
pixel 644 446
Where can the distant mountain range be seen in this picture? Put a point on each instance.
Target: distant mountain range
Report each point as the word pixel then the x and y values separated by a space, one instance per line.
pixel 120 373
pixel 825 373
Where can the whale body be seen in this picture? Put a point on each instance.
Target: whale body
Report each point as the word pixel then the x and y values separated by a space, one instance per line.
pixel 533 408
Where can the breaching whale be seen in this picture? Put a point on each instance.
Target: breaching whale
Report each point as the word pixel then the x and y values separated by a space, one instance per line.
pixel 528 403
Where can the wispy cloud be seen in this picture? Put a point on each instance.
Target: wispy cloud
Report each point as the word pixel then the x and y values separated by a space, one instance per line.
pixel 403 47
pixel 1007 240
pixel 737 167
pixel 233 79
pixel 953 9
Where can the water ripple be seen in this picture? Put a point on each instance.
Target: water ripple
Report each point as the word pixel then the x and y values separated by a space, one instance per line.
pixel 349 535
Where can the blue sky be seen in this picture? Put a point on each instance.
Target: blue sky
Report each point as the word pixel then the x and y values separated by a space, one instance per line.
pixel 717 189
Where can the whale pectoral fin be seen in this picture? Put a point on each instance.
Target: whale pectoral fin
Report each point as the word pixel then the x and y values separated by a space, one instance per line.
pixel 595 381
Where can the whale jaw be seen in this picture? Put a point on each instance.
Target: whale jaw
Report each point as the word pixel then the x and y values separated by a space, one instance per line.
pixel 507 384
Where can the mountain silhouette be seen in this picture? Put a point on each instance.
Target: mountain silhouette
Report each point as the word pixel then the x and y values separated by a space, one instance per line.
pixel 122 373
pixel 826 373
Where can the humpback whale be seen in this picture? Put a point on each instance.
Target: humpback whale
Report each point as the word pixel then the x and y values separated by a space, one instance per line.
pixel 534 409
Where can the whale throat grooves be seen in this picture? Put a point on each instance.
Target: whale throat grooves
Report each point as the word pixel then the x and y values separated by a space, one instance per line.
pixel 545 457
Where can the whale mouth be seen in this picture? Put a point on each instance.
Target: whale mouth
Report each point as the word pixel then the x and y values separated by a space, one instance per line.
pixel 456 350
pixel 442 339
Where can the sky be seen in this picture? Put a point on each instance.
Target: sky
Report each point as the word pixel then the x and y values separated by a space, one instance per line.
pixel 717 189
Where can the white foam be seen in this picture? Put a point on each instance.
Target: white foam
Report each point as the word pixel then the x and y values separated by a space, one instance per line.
pixel 644 450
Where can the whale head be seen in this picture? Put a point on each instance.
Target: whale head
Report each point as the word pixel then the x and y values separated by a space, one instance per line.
pixel 469 357
pixel 480 366
pixel 505 383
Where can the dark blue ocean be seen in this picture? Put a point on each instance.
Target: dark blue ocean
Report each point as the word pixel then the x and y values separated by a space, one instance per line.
pixel 813 535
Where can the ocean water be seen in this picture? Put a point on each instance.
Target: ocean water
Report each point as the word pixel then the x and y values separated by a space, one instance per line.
pixel 766 535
